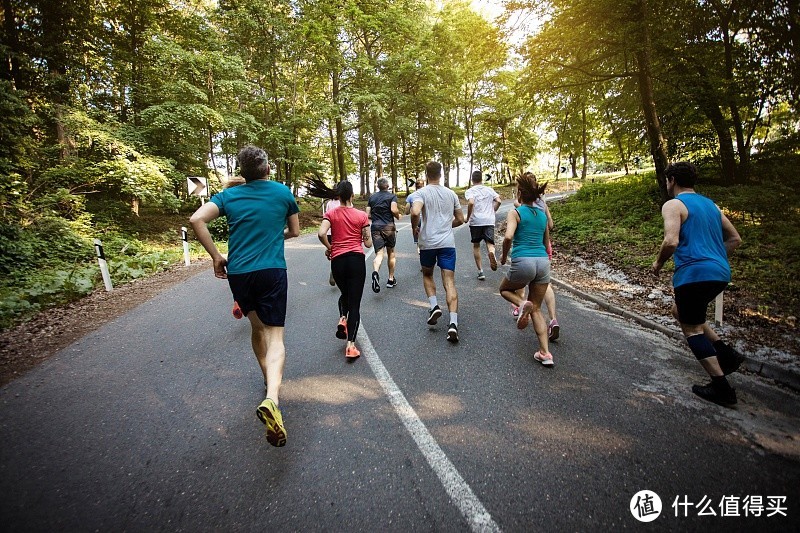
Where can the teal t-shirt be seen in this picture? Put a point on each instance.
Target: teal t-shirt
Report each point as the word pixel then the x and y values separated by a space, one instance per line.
pixel 256 213
pixel 529 237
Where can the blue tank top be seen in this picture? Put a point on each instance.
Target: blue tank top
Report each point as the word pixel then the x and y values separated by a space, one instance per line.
pixel 529 237
pixel 701 254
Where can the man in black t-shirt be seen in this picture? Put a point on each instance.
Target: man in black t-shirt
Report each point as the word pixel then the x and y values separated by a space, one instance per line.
pixel 382 210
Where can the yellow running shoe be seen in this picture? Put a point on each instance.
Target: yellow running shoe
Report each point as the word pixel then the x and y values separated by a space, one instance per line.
pixel 271 416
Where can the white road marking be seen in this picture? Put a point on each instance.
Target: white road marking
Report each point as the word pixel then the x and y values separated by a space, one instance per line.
pixel 459 491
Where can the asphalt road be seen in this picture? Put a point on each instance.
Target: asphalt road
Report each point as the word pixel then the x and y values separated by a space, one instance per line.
pixel 148 424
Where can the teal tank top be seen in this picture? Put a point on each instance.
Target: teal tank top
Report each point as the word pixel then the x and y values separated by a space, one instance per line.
pixel 701 254
pixel 529 238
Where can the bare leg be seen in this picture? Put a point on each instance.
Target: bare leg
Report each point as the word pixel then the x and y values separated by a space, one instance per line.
pixel 270 353
pixel 376 263
pixel 536 296
pixel 512 292
pixel 476 253
pixel 427 281
pixel 550 302
pixel 391 260
pixel 449 282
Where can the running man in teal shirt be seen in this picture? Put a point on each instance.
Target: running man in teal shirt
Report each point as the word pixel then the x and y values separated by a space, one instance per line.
pixel 257 213
pixel 700 237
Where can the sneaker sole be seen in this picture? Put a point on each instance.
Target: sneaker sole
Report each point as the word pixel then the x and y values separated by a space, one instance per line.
pixel 554 331
pixel 352 356
pixel 341 331
pixel 524 315
pixel 434 318
pixel 545 362
pixel 276 433
pixel 376 282
pixel 452 336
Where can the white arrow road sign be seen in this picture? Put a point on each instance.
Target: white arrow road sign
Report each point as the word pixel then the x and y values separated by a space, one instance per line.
pixel 197 186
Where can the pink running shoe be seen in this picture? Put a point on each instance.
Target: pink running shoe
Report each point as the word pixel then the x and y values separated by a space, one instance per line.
pixel 553 330
pixel 514 311
pixel 524 315
pixel 545 358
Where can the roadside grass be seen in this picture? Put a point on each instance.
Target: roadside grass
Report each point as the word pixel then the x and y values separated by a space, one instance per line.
pixel 621 219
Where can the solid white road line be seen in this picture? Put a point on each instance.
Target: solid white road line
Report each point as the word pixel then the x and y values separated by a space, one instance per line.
pixel 459 491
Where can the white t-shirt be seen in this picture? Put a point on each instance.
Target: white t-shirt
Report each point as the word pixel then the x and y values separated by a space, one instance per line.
pixel 438 205
pixel 483 210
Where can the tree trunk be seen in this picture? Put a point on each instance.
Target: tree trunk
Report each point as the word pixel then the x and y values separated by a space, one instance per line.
pixel 573 165
pixel 334 160
pixel 404 146
pixel 340 141
pixel 393 164
pixel 10 68
pixel 583 142
pixel 376 137
pixel 658 148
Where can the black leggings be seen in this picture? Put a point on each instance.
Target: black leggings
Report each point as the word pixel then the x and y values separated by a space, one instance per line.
pixel 350 272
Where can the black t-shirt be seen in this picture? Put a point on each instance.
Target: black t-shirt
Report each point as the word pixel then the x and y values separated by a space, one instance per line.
pixel 380 205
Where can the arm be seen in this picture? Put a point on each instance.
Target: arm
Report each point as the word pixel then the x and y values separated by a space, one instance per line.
pixel 458 213
pixel 470 208
pixel 458 217
pixel 395 210
pixel 729 233
pixel 292 226
pixel 322 235
pixel 199 221
pixel 511 227
pixel 366 237
pixel 671 211
pixel 416 209
pixel 369 213
pixel 496 202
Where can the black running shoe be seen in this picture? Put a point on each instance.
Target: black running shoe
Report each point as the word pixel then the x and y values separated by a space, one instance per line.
pixel 726 398
pixel 452 333
pixel 391 283
pixel 376 282
pixel 433 315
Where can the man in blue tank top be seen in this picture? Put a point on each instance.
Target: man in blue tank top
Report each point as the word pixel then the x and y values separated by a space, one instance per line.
pixel 699 237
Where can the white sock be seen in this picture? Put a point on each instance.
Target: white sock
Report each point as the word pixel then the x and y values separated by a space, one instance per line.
pixel 454 318
pixel 432 301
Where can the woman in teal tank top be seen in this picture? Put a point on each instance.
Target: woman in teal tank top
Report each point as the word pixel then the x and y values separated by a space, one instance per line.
pixel 527 235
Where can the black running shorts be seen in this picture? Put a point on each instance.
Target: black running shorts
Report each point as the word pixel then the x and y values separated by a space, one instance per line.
pixel 262 291
pixel 692 300
pixel 384 237
pixel 482 233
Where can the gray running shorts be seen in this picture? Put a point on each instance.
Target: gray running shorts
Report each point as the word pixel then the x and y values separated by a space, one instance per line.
pixel 526 270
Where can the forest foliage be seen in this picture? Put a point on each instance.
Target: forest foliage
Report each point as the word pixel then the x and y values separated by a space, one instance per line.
pixel 109 106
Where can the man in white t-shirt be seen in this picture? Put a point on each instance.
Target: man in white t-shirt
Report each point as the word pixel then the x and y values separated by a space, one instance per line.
pixel 482 203
pixel 441 212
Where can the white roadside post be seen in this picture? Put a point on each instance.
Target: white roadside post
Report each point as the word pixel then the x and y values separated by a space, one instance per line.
pixel 718 309
pixel 185 236
pixel 101 260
